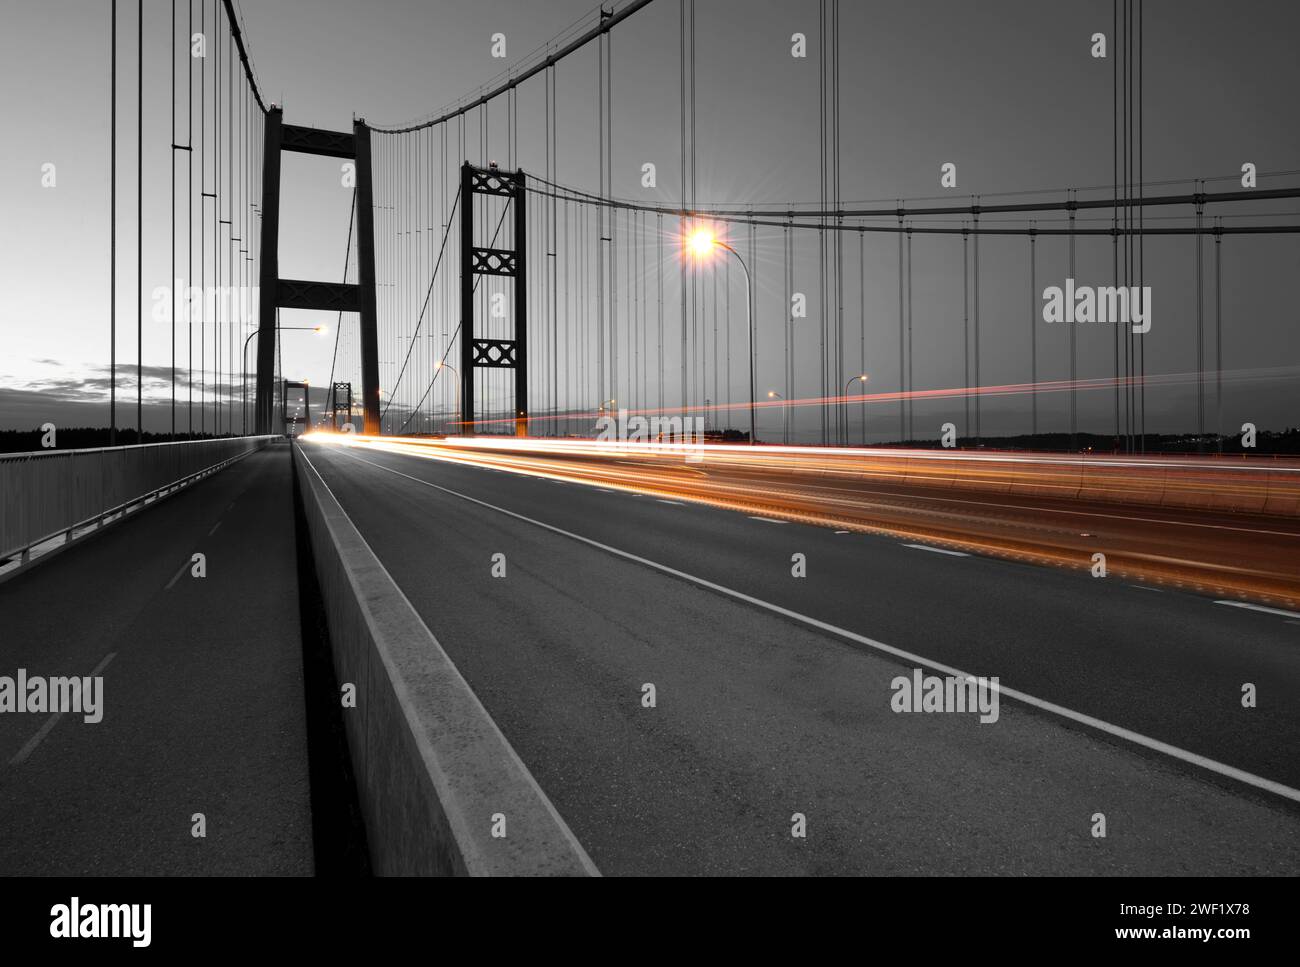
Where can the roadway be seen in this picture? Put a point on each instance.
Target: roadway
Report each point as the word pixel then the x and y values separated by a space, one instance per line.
pixel 773 692
pixel 203 705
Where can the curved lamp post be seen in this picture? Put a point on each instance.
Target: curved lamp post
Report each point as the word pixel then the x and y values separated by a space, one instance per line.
pixel 862 377
pixel 702 242
pixel 446 365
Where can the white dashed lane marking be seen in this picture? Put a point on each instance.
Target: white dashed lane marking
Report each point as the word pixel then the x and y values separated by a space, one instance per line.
pixel 177 576
pixel 25 752
pixel 937 550
pixel 1260 607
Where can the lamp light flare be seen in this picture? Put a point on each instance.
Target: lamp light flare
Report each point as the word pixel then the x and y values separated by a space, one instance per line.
pixel 702 242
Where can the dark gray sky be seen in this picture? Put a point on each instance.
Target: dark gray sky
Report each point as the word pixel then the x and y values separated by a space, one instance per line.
pixel 1005 90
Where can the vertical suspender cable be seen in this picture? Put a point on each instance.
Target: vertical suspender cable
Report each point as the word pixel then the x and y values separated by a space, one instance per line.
pixel 217 195
pixel 555 290
pixel 112 230
pixel 1140 343
pixel 216 224
pixel 902 340
pixel 727 327
pixel 600 225
pixel 1114 218
pixel 189 212
pixel 975 305
pixel 682 226
pixel 822 193
pixel 203 220
pixel 695 276
pixel 911 357
pixel 171 154
pixel 965 327
pixel 231 134
pixel 1033 333
pixel 139 228
pixel 862 328
pixel 751 287
pixel 659 303
pixel 612 261
pixel 837 369
pixel 1129 213
pixel 1218 335
pixel 1200 327
pixel 1074 426
pixel 788 232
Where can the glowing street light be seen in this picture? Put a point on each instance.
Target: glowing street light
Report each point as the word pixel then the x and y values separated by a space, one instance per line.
pixel 701 243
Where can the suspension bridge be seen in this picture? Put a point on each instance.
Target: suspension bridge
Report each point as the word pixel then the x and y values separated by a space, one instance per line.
pixel 608 536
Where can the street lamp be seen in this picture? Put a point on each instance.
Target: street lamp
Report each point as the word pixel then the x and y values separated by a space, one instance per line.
pixel 446 365
pixel 862 377
pixel 244 355
pixel 702 242
pixel 785 415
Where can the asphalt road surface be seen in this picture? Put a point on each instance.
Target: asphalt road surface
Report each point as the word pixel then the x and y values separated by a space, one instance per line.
pixel 203 692
pixel 773 692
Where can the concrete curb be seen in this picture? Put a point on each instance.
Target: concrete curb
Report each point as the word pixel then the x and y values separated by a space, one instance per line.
pixel 433 769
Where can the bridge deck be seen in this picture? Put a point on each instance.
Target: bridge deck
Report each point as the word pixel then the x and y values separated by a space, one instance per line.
pixel 202 696
pixel 761 715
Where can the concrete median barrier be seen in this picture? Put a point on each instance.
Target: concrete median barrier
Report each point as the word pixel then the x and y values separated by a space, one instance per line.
pixel 441 790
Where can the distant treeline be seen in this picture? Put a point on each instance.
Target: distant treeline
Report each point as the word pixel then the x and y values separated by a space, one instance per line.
pixel 85 437
pixel 1266 441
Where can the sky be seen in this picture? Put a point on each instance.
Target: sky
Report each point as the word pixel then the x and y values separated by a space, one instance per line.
pixel 1005 90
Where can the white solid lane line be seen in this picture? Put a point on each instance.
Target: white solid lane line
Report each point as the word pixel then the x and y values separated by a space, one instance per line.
pixel 937 550
pixel 1260 607
pixel 1137 738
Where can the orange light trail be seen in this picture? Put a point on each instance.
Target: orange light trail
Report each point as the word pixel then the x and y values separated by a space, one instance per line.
pixel 1227 526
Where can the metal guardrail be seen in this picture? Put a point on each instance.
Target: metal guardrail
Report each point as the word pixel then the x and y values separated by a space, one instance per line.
pixel 48 493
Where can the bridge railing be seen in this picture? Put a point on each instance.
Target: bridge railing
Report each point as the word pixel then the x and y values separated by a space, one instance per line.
pixel 49 493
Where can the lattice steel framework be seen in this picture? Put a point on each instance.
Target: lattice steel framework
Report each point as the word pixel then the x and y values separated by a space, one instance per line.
pixel 476 260
pixel 340 402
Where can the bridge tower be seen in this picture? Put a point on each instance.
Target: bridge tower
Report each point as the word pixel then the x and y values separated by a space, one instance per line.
pixel 476 260
pixel 278 293
pixel 340 402
pixel 285 419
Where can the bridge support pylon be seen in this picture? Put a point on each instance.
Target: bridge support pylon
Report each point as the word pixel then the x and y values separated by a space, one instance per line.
pixel 277 293
pixel 476 260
